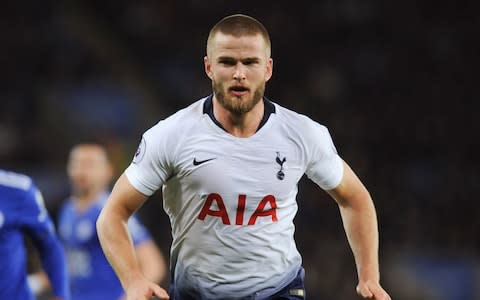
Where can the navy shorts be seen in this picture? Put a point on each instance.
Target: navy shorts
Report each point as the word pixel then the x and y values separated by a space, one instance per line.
pixel 295 290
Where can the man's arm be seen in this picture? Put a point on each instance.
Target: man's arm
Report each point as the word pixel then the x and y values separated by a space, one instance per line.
pixel 360 223
pixel 151 261
pixel 54 264
pixel 39 227
pixel 117 243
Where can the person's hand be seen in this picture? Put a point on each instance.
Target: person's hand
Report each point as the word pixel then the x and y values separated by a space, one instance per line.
pixel 145 290
pixel 372 290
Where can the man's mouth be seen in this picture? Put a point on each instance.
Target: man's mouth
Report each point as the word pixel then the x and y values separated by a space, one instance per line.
pixel 238 90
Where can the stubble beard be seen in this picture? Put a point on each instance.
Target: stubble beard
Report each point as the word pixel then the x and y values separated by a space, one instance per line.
pixel 79 190
pixel 236 106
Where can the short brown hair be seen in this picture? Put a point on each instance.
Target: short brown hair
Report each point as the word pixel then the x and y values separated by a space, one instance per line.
pixel 240 25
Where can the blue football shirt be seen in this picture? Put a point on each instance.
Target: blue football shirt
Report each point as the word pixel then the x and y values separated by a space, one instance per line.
pixel 91 276
pixel 22 211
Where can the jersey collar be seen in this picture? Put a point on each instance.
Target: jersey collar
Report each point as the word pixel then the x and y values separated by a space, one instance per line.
pixel 208 109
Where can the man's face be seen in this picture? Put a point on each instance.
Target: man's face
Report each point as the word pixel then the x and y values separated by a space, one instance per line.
pixel 239 67
pixel 88 169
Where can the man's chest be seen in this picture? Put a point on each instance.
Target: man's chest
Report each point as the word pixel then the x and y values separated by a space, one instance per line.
pixel 255 167
pixel 78 230
pixel 238 181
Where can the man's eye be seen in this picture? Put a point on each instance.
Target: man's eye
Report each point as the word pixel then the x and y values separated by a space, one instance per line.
pixel 227 62
pixel 250 62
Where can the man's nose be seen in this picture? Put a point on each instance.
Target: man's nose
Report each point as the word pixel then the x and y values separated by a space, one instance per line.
pixel 239 73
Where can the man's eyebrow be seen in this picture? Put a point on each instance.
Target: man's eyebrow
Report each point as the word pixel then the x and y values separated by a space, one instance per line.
pixel 246 59
pixel 250 59
pixel 226 58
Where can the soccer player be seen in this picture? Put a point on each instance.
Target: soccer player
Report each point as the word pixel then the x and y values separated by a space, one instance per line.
pixel 22 212
pixel 228 166
pixel 91 276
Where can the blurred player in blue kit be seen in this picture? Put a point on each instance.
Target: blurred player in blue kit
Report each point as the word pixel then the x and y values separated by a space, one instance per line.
pixel 229 166
pixel 22 212
pixel 91 276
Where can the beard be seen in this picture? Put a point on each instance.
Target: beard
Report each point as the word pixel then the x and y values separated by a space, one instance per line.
pixel 235 105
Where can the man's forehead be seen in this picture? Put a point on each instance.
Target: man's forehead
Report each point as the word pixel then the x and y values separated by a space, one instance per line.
pixel 221 38
pixel 91 152
pixel 222 44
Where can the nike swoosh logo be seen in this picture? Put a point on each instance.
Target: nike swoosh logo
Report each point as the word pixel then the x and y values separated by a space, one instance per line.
pixel 199 162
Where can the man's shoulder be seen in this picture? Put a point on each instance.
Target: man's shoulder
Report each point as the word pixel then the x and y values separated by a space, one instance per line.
pixel 301 125
pixel 292 117
pixel 66 208
pixel 13 180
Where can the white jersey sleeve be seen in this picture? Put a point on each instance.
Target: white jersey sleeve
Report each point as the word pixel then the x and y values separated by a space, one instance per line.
pixel 324 165
pixel 150 167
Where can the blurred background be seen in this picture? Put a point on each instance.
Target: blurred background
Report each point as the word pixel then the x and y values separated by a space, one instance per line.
pixel 394 82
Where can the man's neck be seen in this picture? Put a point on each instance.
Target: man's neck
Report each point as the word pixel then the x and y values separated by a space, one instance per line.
pixel 244 125
pixel 84 200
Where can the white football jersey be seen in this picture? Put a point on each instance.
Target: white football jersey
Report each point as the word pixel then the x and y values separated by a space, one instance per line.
pixel 232 201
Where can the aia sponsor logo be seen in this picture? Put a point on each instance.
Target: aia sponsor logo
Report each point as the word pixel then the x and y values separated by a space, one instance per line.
pixel 266 208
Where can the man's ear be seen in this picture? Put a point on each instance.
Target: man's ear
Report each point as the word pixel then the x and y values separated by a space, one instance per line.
pixel 269 69
pixel 208 67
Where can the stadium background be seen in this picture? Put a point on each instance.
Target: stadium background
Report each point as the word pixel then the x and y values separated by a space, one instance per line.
pixel 394 82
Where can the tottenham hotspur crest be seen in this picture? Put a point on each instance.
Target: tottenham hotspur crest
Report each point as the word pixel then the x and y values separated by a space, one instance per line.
pixel 280 161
